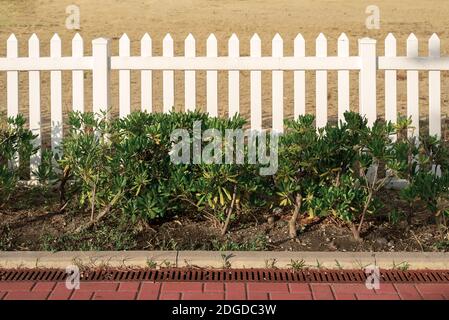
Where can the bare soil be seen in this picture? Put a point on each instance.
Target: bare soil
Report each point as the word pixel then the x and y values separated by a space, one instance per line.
pixel 32 221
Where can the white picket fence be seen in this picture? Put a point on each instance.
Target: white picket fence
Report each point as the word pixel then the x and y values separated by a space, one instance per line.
pixel 101 63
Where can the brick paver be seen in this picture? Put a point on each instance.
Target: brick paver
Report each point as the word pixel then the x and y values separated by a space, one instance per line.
pixel 130 290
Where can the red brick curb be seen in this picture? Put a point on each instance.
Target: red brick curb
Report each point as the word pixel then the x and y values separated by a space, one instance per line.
pixel 28 290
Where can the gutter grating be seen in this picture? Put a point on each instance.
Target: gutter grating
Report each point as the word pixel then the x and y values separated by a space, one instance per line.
pixel 237 275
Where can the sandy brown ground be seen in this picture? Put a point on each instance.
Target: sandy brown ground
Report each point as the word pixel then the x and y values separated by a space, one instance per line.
pixel 111 18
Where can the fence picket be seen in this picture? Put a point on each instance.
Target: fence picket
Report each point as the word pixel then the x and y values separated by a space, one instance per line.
pixel 390 82
pixel 212 78
pixel 434 89
pixel 78 75
pixel 168 86
pixel 146 76
pixel 343 78
pixel 299 80
pixel 321 84
pixel 256 86
pixel 278 87
pixel 190 76
pixel 367 79
pixel 233 78
pixel 101 76
pixel 35 103
pixel 12 90
pixel 413 87
pixel 56 97
pixel 124 79
pixel 101 64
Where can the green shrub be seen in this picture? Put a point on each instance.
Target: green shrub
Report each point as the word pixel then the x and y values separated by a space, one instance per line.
pixel 126 165
pixel 424 164
pixel 16 142
pixel 334 170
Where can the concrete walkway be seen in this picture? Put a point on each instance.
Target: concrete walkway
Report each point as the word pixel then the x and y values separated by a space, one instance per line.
pixel 132 290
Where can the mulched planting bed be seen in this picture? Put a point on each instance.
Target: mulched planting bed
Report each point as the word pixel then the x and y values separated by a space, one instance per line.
pixel 31 221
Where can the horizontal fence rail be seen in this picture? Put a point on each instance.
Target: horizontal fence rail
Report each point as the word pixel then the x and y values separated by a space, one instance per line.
pixel 101 63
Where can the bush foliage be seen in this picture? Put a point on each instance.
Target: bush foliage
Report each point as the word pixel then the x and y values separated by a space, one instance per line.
pixel 124 166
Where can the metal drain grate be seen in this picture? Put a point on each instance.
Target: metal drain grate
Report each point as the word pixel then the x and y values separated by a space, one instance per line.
pixel 242 275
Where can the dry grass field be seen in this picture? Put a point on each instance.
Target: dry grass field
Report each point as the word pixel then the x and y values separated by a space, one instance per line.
pixel 111 18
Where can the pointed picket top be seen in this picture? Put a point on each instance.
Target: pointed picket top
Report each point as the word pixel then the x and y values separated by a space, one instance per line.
pixel 434 46
pixel 321 45
pixel 12 39
pixel 33 46
pixel 277 46
pixel 12 46
pixel 55 45
pixel 412 37
pixel 167 44
pixel 412 45
pixel 212 45
pixel 77 41
pixel 55 41
pixel 321 37
pixel 343 45
pixel 234 46
pixel 124 45
pixel 146 37
pixel 55 38
pixel 211 41
pixel 390 38
pixel 390 45
pixel 124 38
pixel 299 45
pixel 255 46
pixel 190 38
pixel 77 46
pixel 343 40
pixel 299 37
pixel 255 40
pixel 77 38
pixel 168 38
pixel 233 37
pixel 146 45
pixel 190 46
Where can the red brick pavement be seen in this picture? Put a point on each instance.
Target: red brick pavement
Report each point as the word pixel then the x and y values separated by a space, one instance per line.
pixel 220 291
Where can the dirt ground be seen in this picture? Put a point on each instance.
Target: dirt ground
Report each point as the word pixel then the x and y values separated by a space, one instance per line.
pixel 33 222
pixel 112 18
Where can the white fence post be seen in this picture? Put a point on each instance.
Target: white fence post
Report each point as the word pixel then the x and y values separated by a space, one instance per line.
pixel 146 76
pixel 12 90
pixel 35 104
pixel 56 97
pixel 101 75
pixel 124 79
pixel 321 83
pixel 12 87
pixel 367 83
pixel 343 78
pixel 434 89
pixel 413 87
pixel 256 86
pixel 78 75
pixel 189 75
pixel 233 78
